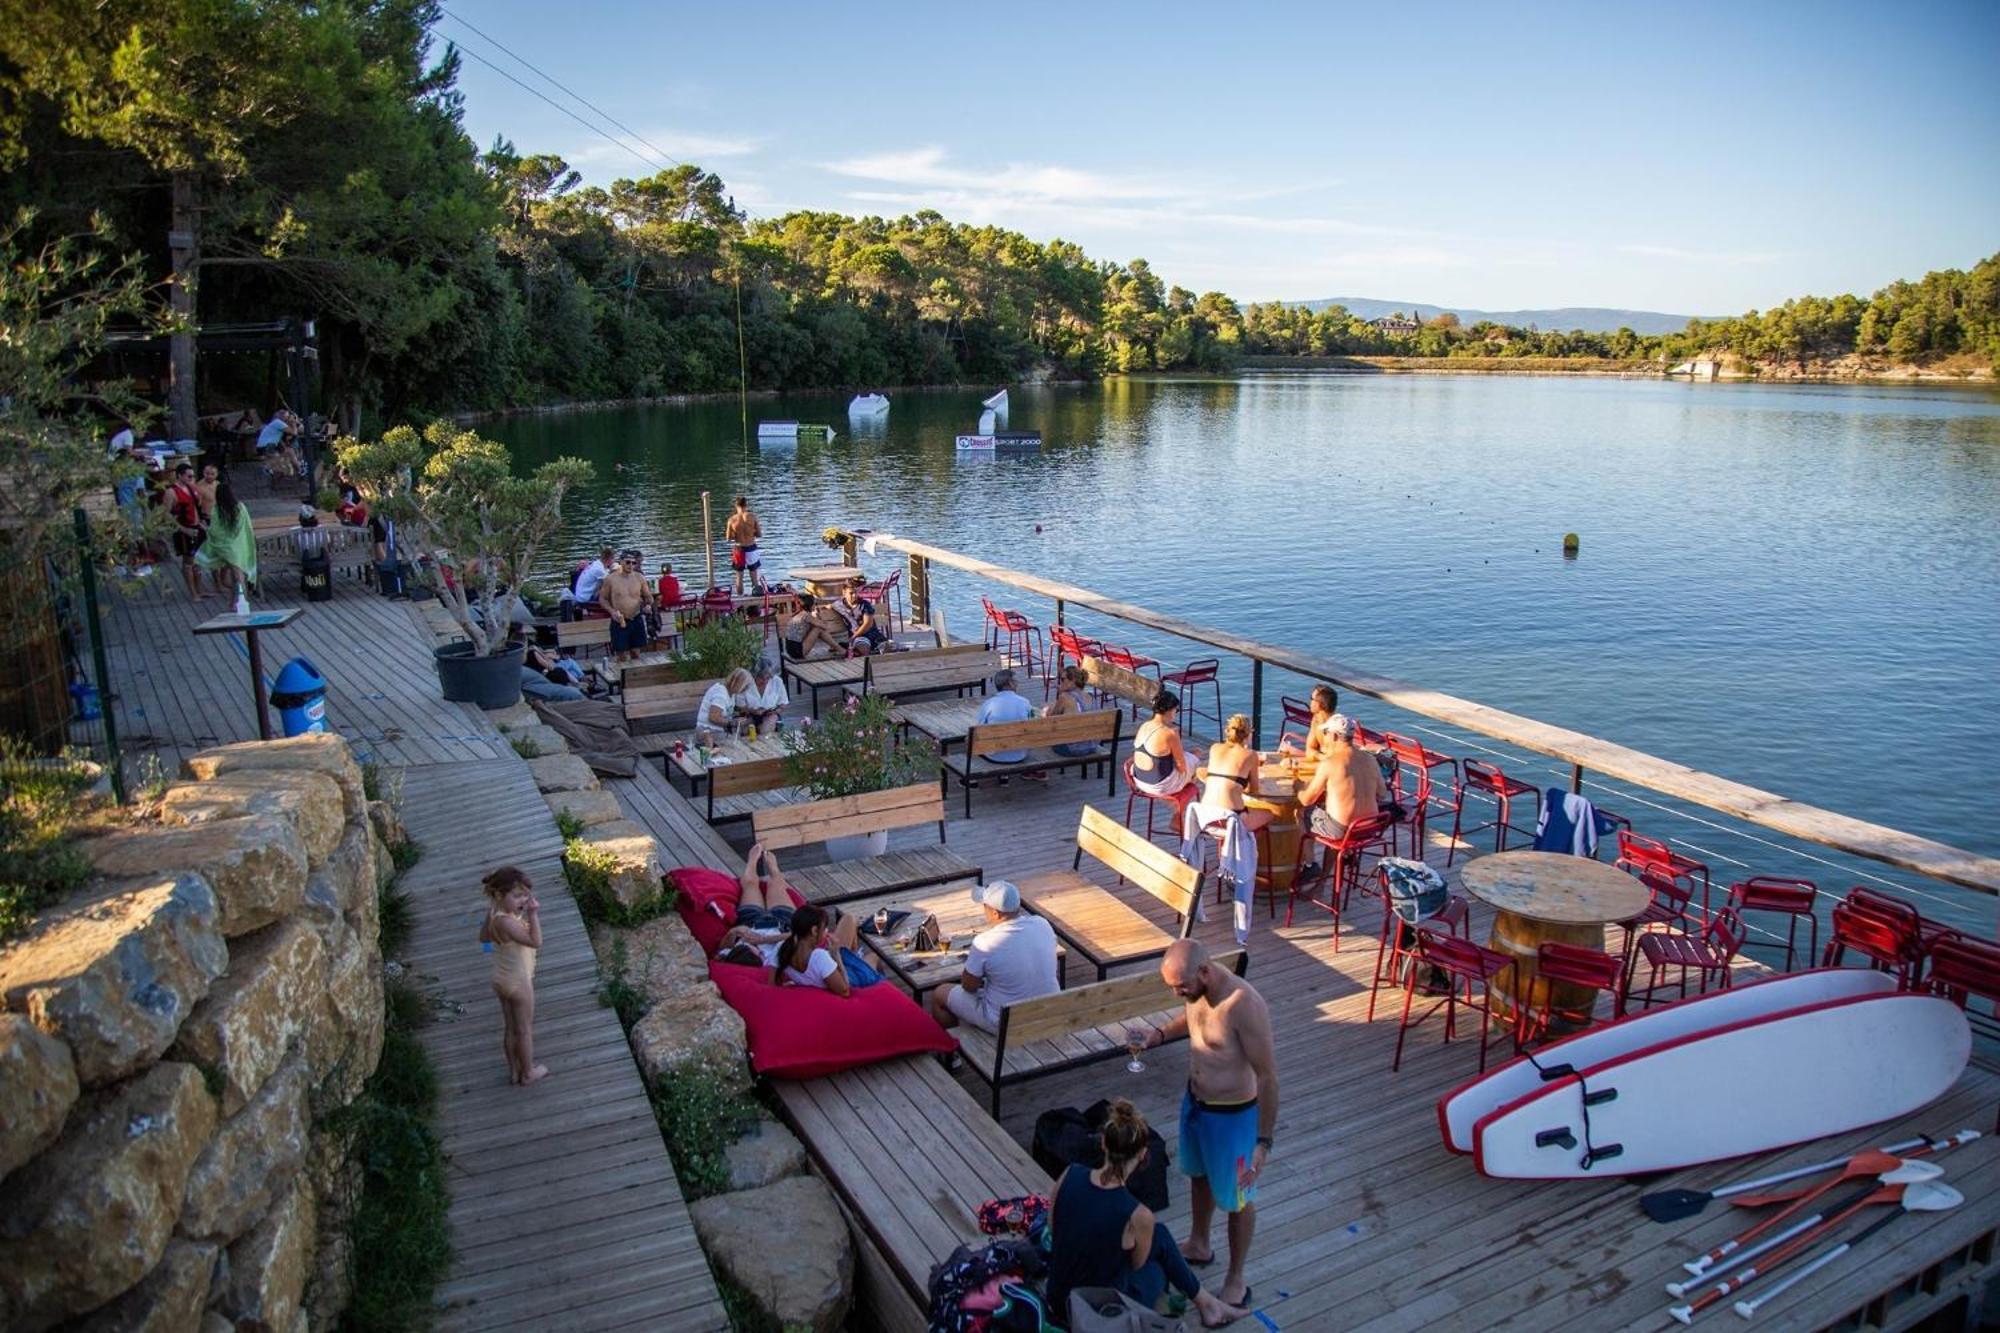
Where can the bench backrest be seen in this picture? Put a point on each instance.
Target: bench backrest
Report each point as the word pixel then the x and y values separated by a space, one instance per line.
pixel 846 816
pixel 886 671
pixel 1120 999
pixel 745 776
pixel 678 699
pixel 590 633
pixel 1069 729
pixel 1147 864
pixel 651 673
pixel 1128 685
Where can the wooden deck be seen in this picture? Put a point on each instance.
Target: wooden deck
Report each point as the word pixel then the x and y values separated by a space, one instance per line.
pixel 1364 1220
pixel 564 1207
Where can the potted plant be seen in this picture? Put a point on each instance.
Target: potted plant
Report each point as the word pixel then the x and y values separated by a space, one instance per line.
pixel 850 751
pixel 473 528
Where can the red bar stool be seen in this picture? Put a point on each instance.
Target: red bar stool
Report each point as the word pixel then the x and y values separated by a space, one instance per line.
pixel 1637 849
pixel 1868 900
pixel 1465 965
pixel 1343 867
pixel 1414 762
pixel 995 626
pixel 1298 713
pixel 1578 966
pixel 717 604
pixel 1667 905
pixel 1708 954
pixel 1885 931
pixel 1175 804
pixel 1202 671
pixel 1793 898
pixel 1487 778
pixel 1397 947
pixel 1962 967
pixel 1025 644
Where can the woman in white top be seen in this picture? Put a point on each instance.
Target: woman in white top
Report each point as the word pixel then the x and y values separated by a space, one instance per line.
pixel 716 715
pixel 821 957
pixel 763 704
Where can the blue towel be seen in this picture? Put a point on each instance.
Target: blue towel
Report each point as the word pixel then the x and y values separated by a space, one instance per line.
pixel 1569 823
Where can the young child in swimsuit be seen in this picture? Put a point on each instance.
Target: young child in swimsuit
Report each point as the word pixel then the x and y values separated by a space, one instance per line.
pixel 514 928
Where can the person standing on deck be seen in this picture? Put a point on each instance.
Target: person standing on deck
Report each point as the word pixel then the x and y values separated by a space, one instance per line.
pixel 742 530
pixel 190 525
pixel 1230 1108
pixel 623 594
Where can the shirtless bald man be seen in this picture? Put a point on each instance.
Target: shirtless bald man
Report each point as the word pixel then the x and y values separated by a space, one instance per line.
pixel 1230 1108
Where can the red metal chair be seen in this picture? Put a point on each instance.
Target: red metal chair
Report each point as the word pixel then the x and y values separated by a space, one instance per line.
pixel 1574 964
pixel 1298 713
pixel 1795 899
pixel 1638 849
pixel 1869 900
pixel 995 626
pixel 1962 967
pixel 1617 823
pixel 1025 646
pixel 1202 671
pixel 892 597
pixel 1886 931
pixel 1488 779
pixel 885 609
pixel 1414 754
pixel 1669 904
pixel 717 604
pixel 1175 804
pixel 1342 865
pixel 1707 954
pixel 1466 966
pixel 1396 950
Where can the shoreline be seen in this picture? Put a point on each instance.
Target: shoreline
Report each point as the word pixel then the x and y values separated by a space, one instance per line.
pixel 474 415
pixel 1788 373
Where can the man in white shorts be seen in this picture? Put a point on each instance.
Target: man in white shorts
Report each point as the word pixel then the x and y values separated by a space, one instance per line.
pixel 1014 958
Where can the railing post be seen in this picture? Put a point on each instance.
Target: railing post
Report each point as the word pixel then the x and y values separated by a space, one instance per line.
pixel 849 554
pixel 1576 777
pixel 1059 610
pixel 87 570
pixel 1256 703
pixel 920 590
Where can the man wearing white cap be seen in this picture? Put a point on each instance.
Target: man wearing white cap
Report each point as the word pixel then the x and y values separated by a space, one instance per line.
pixel 1014 958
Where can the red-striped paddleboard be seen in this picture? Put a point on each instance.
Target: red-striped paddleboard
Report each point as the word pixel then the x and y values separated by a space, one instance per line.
pixel 1747 1087
pixel 1461 1108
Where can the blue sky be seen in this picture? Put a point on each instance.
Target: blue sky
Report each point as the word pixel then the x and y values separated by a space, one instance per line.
pixel 1690 158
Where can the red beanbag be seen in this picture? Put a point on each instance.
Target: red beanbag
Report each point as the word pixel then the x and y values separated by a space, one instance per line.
pixel 708 903
pixel 804 1032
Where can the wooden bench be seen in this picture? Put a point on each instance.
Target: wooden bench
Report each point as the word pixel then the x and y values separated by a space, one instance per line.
pixel 835 673
pixel 1099 925
pixel 1052 1033
pixel 581 636
pixel 1035 737
pixel 904 675
pixel 739 790
pixel 656 703
pixel 910 1155
pixel 798 824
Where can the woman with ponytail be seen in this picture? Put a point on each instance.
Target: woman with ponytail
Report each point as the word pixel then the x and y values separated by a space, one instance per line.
pixel 807 954
pixel 1100 1236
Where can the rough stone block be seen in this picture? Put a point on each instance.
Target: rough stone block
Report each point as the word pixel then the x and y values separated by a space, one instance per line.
pixel 514 716
pixel 91 1216
pixel 264 1284
pixel 167 1300
pixel 37 1088
pixel 252 1159
pixel 767 1154
pixel 662 959
pixel 255 863
pixel 387 822
pixel 695 1029
pixel 343 1040
pixel 115 975
pixel 538 738
pixel 385 864
pixel 318 751
pixel 635 868
pixel 349 872
pixel 592 807
pixel 337 1181
pixel 797 1218
pixel 562 772
pixel 312 801
pixel 275 981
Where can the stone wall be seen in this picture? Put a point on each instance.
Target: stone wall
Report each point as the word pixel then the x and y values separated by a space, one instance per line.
pixel 168 1042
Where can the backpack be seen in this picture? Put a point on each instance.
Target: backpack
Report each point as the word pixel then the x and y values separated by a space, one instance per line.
pixel 1068 1137
pixel 967 1272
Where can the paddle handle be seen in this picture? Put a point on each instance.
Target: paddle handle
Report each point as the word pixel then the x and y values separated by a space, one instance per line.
pixel 1749 1309
pixel 1744 1257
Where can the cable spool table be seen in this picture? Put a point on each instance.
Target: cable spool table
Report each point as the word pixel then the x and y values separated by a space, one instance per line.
pixel 1541 896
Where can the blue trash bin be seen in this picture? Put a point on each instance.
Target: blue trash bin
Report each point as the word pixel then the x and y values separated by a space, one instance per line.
pixel 299 695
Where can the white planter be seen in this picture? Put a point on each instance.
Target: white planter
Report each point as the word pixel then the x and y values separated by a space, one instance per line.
pixel 855 847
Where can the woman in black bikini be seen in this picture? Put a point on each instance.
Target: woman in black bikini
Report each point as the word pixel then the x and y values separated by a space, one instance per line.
pixel 1232 770
pixel 1160 763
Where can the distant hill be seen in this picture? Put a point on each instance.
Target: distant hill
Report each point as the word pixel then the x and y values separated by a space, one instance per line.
pixel 1591 319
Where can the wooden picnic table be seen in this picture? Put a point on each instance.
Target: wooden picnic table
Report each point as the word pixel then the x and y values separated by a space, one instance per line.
pixel 823 673
pixel 946 675
pixel 250 626
pixel 827 580
pixel 732 750
pixel 943 720
pixel 1538 896
pixel 959 919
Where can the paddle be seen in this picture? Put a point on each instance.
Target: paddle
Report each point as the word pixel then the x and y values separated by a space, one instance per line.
pixel 1673 1205
pixel 1904 1174
pixel 1963 1136
pixel 1925 1196
pixel 1859 1165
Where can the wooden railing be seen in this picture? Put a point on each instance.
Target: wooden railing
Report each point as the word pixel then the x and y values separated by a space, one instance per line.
pixel 1583 752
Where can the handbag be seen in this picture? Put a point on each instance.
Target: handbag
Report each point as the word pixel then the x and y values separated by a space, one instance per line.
pixel 1108 1310
pixel 928 938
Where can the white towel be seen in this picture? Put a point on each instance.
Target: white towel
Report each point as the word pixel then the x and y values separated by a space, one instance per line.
pixel 1237 856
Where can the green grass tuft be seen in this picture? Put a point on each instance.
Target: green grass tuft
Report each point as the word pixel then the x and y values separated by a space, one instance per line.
pixel 526 748
pixel 700 1113
pixel 568 825
pixel 40 803
pixel 615 990
pixel 392 908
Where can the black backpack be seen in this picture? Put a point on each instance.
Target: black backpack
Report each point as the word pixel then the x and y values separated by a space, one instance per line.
pixel 1068 1137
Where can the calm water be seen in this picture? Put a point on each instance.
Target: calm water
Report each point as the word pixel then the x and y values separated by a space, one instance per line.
pixel 1797 588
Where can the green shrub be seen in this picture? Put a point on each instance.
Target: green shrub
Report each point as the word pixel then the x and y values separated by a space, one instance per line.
pixel 40 803
pixel 394 919
pixel 568 825
pixel 700 1112
pixel 587 868
pixel 615 990
pixel 711 651
pixel 854 749
pixel 406 854
pixel 524 747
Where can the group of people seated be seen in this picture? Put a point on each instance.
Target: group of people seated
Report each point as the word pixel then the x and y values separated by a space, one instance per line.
pixel 752 702
pixel 843 626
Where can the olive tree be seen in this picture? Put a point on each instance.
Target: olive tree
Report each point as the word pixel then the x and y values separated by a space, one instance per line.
pixel 459 508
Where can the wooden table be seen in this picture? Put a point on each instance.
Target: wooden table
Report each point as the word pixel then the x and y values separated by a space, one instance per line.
pixel 250 626
pixel 1279 779
pixel 735 750
pixel 1542 896
pixel 827 580
pixel 959 919
pixel 943 720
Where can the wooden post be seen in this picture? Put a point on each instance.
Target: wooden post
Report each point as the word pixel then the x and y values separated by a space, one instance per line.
pixel 920 590
pixel 184 252
pixel 708 538
pixel 1257 703
pixel 850 554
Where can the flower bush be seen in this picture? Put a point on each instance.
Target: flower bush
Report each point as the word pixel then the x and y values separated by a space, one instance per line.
pixel 854 749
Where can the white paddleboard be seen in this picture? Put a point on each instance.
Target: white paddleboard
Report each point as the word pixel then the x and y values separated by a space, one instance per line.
pixel 1459 1109
pixel 1749 1087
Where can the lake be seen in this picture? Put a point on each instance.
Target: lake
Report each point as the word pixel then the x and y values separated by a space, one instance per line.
pixel 1796 587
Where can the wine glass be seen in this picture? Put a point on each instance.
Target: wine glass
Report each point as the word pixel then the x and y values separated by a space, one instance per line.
pixel 1135 1042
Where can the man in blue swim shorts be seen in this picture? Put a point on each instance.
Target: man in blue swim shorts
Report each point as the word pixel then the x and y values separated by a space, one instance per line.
pixel 1230 1108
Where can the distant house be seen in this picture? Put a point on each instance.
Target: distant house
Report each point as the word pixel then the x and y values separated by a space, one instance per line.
pixel 1396 323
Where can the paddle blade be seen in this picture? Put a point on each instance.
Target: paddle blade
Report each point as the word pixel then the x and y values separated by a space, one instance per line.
pixel 1673 1205
pixel 1930 1196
